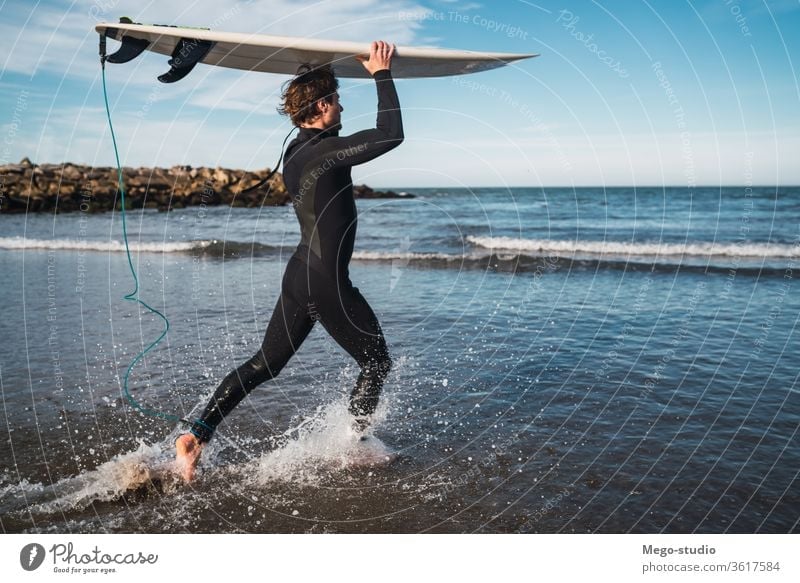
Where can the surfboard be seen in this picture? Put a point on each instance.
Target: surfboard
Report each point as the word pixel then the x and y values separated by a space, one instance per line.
pixel 284 54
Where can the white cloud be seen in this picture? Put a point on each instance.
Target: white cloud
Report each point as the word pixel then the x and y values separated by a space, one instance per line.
pixel 46 39
pixel 252 93
pixel 60 40
pixel 57 41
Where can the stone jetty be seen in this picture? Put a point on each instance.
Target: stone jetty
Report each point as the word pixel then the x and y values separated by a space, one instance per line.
pixel 29 187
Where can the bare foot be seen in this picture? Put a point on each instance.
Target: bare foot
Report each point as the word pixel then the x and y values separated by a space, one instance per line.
pixel 187 454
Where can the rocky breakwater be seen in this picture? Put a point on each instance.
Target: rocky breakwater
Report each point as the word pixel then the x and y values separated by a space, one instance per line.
pixel 29 187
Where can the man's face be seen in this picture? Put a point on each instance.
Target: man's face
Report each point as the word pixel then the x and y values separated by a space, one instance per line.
pixel 332 112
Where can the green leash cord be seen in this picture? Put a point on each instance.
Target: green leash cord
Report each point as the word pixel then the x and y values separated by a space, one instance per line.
pixel 133 295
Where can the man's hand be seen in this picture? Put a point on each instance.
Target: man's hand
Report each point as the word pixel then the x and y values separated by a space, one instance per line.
pixel 380 57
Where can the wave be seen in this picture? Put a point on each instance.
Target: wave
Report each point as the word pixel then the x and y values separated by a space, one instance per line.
pixel 503 254
pixel 513 261
pixel 624 248
pixel 404 256
pixel 17 243
pixel 211 248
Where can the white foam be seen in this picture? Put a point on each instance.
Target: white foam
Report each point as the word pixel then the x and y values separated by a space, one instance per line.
pixel 323 443
pixel 110 480
pixel 700 248
pixel 19 243
pixel 19 495
pixel 403 256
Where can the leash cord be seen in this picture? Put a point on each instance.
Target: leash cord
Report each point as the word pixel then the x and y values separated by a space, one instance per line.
pixel 133 296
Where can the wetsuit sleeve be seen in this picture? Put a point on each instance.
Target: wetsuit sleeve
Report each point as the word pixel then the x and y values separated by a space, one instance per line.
pixel 387 134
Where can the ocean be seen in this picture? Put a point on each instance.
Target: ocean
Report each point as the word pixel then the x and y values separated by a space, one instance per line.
pixel 566 361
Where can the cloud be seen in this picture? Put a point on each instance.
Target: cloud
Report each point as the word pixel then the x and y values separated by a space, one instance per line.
pixel 59 38
pixel 53 48
pixel 246 92
pixel 43 39
pixel 465 6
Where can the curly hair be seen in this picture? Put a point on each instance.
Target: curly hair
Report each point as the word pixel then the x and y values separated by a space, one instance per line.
pixel 300 94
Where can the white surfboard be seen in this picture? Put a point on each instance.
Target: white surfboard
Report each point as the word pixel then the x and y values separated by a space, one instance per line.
pixel 284 54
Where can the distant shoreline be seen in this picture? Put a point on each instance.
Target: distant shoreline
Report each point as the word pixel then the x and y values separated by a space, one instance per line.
pixel 27 187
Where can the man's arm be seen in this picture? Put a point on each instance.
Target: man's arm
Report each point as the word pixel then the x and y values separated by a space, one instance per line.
pixel 387 134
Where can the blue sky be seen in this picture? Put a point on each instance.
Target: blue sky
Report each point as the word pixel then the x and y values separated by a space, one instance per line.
pixel 624 92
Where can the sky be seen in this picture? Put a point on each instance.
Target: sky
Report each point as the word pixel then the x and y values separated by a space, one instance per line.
pixel 623 93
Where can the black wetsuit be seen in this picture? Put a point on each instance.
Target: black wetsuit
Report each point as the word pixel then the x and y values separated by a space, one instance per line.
pixel 316 284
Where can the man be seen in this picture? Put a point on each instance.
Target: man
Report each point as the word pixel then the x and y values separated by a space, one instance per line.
pixel 316 284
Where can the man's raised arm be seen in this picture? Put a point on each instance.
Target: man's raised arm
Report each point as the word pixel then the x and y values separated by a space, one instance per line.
pixel 366 145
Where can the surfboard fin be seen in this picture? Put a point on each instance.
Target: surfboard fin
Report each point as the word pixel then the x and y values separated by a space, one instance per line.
pixel 188 52
pixel 130 49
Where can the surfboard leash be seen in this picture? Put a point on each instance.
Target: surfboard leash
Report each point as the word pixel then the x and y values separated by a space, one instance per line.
pixel 264 181
pixel 133 296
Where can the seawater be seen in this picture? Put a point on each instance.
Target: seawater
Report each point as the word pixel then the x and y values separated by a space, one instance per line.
pixel 591 360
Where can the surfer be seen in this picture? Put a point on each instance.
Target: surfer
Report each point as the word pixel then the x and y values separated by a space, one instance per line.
pixel 316 285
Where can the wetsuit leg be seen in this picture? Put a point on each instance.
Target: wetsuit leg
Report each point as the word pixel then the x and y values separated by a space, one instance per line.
pixel 349 319
pixel 289 325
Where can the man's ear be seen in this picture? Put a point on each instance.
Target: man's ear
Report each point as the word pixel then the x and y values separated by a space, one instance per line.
pixel 319 109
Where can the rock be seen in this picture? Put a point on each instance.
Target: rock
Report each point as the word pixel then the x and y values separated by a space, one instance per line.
pixel 363 191
pixel 13 204
pixel 68 187
pixel 221 177
pixel 71 172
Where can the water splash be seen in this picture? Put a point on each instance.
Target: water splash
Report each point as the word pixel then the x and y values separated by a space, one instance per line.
pixel 320 445
pixel 147 466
